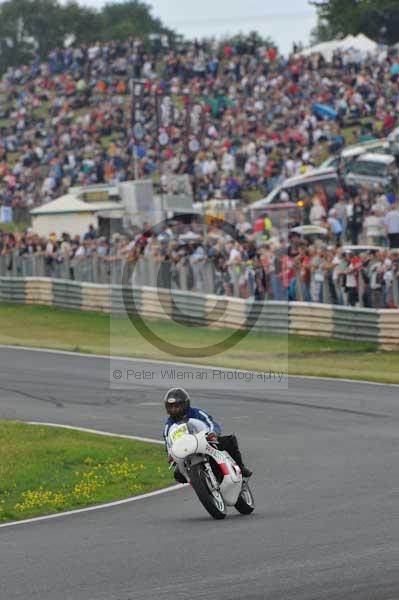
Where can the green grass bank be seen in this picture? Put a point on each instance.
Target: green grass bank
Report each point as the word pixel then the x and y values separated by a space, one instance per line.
pixel 70 469
pixel 97 333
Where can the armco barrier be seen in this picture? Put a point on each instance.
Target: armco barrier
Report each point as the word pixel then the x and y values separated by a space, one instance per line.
pixel 358 324
pixel 155 302
pixel 388 329
pixel 273 317
pixel 39 291
pixel 225 311
pixel 12 290
pixel 131 302
pixel 187 306
pixel 95 297
pixel 215 307
pixel 67 294
pixel 342 322
pixel 306 318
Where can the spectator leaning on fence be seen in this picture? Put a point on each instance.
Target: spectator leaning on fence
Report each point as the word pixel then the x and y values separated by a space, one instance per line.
pixel 391 222
pixel 275 269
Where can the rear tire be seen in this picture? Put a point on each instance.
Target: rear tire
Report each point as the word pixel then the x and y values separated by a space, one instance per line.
pixel 245 503
pixel 212 502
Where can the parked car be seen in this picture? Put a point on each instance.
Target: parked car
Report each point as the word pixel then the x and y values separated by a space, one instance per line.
pixel 344 159
pixel 372 168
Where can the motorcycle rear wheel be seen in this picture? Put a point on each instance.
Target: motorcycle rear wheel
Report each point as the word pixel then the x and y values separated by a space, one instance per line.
pixel 245 503
pixel 211 501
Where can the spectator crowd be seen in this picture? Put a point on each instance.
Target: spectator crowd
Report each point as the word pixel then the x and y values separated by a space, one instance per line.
pixel 67 120
pixel 234 261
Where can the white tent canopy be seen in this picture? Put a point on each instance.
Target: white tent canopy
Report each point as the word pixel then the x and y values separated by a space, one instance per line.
pixel 360 43
pixel 365 44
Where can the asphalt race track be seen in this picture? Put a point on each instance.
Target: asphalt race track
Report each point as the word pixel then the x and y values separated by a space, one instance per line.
pixel 326 483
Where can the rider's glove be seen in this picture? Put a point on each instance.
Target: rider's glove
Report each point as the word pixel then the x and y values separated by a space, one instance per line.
pixel 212 437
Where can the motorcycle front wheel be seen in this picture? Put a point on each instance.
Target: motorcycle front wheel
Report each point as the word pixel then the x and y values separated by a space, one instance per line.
pixel 210 499
pixel 245 503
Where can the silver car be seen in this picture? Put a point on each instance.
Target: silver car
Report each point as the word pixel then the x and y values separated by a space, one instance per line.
pixel 371 169
pixel 347 155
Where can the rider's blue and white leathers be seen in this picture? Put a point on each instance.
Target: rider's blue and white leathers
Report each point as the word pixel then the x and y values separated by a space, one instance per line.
pixel 194 413
pixel 200 419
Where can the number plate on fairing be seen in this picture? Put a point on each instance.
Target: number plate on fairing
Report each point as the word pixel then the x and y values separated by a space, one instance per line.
pixel 179 432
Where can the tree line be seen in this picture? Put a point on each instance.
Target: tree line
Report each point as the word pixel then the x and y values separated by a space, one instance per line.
pixel 378 19
pixel 30 28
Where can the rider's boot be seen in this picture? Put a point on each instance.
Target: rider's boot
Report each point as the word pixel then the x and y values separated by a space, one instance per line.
pixel 236 455
pixel 245 471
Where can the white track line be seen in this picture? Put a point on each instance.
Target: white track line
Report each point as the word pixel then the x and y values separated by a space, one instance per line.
pixel 182 364
pixel 97 432
pixel 98 506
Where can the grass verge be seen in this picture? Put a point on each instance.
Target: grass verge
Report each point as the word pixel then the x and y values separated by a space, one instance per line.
pixel 96 333
pixel 70 469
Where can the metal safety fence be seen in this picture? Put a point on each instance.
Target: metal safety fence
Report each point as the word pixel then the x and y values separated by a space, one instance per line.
pixel 182 275
pixel 203 277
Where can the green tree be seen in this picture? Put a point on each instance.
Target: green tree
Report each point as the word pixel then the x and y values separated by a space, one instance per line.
pixel 378 19
pixel 82 22
pixel 16 44
pixel 29 26
pixel 244 42
pixel 121 20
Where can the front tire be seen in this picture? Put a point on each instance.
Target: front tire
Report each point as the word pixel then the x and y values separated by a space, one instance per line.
pixel 212 501
pixel 245 503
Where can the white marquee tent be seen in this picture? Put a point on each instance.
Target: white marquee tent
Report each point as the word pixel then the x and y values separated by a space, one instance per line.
pixel 360 43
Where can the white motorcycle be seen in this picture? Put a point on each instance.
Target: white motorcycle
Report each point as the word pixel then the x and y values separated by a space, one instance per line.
pixel 214 475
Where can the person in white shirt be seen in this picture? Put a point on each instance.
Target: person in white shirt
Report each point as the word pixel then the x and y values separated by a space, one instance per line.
pixel 290 167
pixel 228 162
pixel 381 204
pixel 337 262
pixel 391 222
pixel 373 227
pixel 242 225
pixel 234 255
pixel 352 272
pixel 209 166
pixel 81 251
pixel 375 273
pixel 197 260
pixel 388 276
pixel 316 212
pixel 93 52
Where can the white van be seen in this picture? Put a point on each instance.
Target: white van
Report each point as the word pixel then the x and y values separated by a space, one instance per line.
pixel 296 188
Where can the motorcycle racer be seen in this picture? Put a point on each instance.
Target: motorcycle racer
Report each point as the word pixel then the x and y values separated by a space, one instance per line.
pixel 178 407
